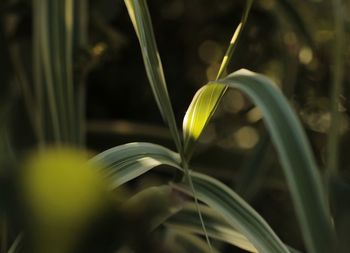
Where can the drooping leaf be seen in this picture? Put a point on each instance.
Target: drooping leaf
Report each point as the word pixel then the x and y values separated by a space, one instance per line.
pixel 180 241
pixel 217 228
pixel 153 206
pixel 292 147
pixel 236 212
pixel 141 20
pixel 16 246
pixel 126 162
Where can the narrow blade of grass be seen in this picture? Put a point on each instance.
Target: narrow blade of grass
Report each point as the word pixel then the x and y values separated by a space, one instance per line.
pixel 53 70
pixel 236 212
pixel 126 162
pixel 189 243
pixel 234 41
pixel 141 20
pixel 217 228
pixel 42 29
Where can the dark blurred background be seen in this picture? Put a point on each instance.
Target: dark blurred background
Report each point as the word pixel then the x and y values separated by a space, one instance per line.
pixel 291 41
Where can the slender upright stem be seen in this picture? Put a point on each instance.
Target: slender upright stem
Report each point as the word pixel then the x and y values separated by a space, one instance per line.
pixel 337 87
pixel 236 35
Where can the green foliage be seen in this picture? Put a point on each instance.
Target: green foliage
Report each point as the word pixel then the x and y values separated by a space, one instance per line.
pixel 193 205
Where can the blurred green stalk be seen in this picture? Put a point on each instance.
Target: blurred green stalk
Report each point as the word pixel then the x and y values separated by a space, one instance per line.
pixel 337 88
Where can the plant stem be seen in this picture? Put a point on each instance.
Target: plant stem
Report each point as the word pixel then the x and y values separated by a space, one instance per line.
pixel 337 83
pixel 188 177
pixel 233 44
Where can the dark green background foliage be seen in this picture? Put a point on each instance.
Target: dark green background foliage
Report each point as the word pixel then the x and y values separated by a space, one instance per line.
pixel 290 41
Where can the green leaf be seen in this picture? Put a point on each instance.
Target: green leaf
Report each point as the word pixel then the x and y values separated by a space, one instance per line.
pixel 53 23
pixel 153 205
pixel 126 162
pixel 217 228
pixel 180 241
pixel 199 113
pixel 16 245
pixel 141 20
pixel 293 15
pixel 292 147
pixel 234 41
pixel 236 212
pixel 253 169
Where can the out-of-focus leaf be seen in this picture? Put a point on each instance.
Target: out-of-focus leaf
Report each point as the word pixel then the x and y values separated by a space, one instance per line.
pixel 296 20
pixel 153 206
pixel 217 227
pixel 16 245
pixel 126 162
pixel 253 169
pixel 141 20
pixel 236 212
pixel 53 35
pixel 292 147
pixel 337 88
pixel 183 242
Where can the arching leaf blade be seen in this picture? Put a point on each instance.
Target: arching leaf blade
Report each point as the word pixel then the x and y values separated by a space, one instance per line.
pixel 126 162
pixel 217 228
pixel 292 146
pixel 236 212
pixel 188 243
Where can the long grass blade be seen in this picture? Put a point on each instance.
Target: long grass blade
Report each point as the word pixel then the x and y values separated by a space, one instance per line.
pixel 140 17
pixel 155 204
pixel 234 41
pixel 41 29
pixel 188 243
pixel 126 162
pixel 236 212
pixel 217 228
pixel 53 70
pixel 292 147
pixel 141 20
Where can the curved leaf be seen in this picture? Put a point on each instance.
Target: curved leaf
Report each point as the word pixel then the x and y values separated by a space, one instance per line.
pixel 126 162
pixel 181 241
pixel 153 205
pixel 292 146
pixel 216 226
pixel 236 212
pixel 199 112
